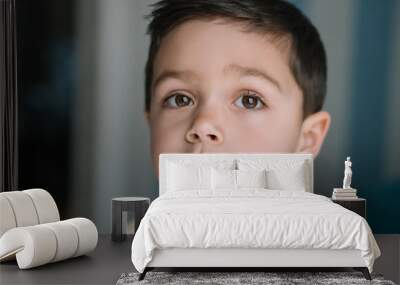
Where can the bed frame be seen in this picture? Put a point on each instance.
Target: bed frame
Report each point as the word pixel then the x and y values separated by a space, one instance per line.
pixel 250 259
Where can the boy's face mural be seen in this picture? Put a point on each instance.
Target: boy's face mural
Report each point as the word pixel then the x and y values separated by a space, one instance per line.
pixel 219 89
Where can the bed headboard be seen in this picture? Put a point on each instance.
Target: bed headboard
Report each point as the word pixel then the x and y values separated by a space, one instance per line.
pixel 215 157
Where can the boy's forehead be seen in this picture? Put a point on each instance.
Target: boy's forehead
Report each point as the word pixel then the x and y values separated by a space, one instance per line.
pixel 198 47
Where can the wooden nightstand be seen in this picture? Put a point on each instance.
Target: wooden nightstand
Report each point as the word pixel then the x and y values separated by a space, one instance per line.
pixel 358 206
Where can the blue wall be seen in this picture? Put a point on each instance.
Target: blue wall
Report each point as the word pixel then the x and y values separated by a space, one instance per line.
pixel 69 143
pixel 372 59
pixel 366 118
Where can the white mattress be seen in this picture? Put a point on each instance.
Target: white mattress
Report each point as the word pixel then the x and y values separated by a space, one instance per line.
pixel 251 218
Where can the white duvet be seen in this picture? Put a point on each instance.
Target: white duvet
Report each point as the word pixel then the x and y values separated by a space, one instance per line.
pixel 250 218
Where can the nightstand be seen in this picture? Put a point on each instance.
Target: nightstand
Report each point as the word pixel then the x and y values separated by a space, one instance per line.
pixel 122 209
pixel 358 205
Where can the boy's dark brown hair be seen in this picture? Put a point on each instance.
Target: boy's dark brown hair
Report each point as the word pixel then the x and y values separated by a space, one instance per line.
pixel 276 18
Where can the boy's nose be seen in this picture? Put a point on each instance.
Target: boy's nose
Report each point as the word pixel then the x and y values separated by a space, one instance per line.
pixel 204 132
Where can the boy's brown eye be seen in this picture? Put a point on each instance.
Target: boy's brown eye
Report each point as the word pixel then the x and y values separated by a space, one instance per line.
pixel 249 102
pixel 178 100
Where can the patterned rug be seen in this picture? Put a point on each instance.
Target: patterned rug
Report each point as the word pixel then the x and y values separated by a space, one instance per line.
pixel 228 278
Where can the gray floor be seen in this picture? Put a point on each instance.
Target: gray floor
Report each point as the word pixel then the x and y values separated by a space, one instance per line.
pixel 110 260
pixel 389 262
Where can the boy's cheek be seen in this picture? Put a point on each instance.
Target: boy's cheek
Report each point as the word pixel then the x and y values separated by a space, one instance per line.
pixel 167 137
pixel 265 138
pixel 166 140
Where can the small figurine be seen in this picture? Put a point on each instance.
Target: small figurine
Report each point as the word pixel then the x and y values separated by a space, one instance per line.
pixel 347 192
pixel 347 174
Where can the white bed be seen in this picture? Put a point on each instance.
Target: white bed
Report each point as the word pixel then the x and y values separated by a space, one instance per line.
pixel 250 226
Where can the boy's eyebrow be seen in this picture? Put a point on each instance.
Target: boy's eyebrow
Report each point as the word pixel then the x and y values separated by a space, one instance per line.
pixel 241 70
pixel 244 71
pixel 178 74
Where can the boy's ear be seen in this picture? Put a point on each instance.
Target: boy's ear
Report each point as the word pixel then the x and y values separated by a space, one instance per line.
pixel 147 116
pixel 313 132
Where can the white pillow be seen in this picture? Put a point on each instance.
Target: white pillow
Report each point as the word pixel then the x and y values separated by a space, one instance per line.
pixel 236 179
pixel 223 179
pixel 288 179
pixel 285 174
pixel 185 177
pixel 251 178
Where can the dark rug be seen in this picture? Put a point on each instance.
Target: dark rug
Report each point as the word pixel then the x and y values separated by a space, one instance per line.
pixel 225 278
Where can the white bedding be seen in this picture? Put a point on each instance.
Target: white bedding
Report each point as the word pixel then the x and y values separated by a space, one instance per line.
pixel 250 218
